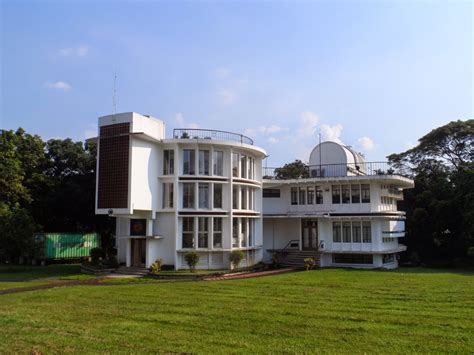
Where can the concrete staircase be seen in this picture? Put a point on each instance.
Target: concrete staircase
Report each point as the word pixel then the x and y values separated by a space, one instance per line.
pixel 295 258
pixel 136 271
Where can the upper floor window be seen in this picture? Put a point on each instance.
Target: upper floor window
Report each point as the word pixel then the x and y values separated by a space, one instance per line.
pixel 346 193
pixel 218 164
pixel 336 232
pixel 217 233
pixel 189 162
pixel 310 191
pixel 203 195
pixel 203 232
pixel 188 195
pixel 271 193
pixel 356 233
pixel 365 193
pixel 336 194
pixel 235 198
pixel 366 232
pixel 188 232
pixel 294 195
pixel 243 166
pixel 319 195
pixel 168 162
pixel 168 194
pixel 243 198
pixel 355 192
pixel 235 164
pixel 346 232
pixel 203 162
pixel 302 196
pixel 217 196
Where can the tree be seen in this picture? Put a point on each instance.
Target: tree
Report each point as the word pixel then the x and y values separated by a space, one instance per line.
pixel 440 209
pixel 294 170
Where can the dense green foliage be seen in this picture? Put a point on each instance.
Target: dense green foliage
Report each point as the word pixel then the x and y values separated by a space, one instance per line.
pixel 45 186
pixel 294 170
pixel 235 257
pixel 327 310
pixel 191 258
pixel 440 209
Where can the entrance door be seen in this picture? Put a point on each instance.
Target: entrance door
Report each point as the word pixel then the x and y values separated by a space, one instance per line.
pixel 310 234
pixel 138 252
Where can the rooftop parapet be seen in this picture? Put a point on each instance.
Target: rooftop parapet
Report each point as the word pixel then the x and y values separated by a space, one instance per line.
pixel 210 134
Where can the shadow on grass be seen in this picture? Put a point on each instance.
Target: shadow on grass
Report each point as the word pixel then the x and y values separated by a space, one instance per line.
pixel 15 273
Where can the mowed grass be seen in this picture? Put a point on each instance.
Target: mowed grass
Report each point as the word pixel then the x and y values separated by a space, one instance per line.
pixel 328 310
pixel 23 276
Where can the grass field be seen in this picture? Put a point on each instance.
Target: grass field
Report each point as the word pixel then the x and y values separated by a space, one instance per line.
pixel 328 310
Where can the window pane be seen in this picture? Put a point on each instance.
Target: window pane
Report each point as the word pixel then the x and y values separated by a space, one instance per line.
pixel 366 232
pixel 250 168
pixel 217 195
pixel 346 191
pixel 203 195
pixel 336 232
pixel 251 232
pixel 346 232
pixel 319 195
pixel 235 164
pixel 243 232
pixel 243 198
pixel 235 233
pixel 365 193
pixel 294 195
pixel 203 232
pixel 243 166
pixel 188 162
pixel 356 232
pixel 235 198
pixel 168 195
pixel 188 232
pixel 168 162
pixel 336 194
pixel 218 163
pixel 310 195
pixel 355 190
pixel 203 162
pixel 188 195
pixel 302 199
pixel 217 237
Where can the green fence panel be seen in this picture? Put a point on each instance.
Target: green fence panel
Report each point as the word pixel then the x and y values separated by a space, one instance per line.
pixel 66 245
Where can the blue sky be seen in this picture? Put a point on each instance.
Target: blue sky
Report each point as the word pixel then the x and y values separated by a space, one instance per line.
pixel 374 75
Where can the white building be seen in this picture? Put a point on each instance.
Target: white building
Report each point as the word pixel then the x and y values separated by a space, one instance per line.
pixel 201 190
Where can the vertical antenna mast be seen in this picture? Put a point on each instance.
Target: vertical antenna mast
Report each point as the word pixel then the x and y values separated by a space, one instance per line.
pixel 320 155
pixel 114 104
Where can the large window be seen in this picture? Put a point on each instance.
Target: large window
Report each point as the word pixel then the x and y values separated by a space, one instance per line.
pixel 235 164
pixel 271 193
pixel 218 163
pixel 356 232
pixel 352 259
pixel 235 198
pixel 366 232
pixel 188 195
pixel 203 162
pixel 243 166
pixel 336 194
pixel 294 195
pixel 168 162
pixel 365 193
pixel 319 195
pixel 189 162
pixel 168 195
pixel 243 198
pixel 302 196
pixel 217 196
pixel 203 232
pixel 203 195
pixel 388 258
pixel 217 233
pixel 188 232
pixel 355 192
pixel 346 194
pixel 336 232
pixel 310 190
pixel 346 232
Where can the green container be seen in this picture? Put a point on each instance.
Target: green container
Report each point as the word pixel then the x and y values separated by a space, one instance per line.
pixel 65 245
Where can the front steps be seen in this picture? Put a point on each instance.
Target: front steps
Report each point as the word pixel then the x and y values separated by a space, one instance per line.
pixel 136 271
pixel 295 258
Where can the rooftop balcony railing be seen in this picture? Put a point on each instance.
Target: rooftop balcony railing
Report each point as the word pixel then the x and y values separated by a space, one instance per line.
pixel 335 170
pixel 193 133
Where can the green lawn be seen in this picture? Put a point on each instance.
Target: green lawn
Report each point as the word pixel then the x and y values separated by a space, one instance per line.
pixel 329 310
pixel 23 276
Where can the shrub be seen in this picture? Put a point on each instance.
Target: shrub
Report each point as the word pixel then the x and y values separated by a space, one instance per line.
pixel 276 259
pixel 235 257
pixel 112 261
pixel 97 254
pixel 191 258
pixel 309 263
pixel 155 268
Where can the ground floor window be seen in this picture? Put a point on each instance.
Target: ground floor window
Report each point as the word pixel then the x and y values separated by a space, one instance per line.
pixel 388 258
pixel 203 232
pixel 350 232
pixel 243 232
pixel 352 259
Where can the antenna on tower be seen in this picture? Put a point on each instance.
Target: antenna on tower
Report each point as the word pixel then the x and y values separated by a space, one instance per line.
pixel 114 104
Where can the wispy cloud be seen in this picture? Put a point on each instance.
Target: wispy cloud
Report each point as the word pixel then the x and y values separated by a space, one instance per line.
pixel 366 143
pixel 331 133
pixel 79 51
pixel 265 130
pixel 58 85
pixel 181 122
pixel 227 96
pixel 272 140
pixel 308 123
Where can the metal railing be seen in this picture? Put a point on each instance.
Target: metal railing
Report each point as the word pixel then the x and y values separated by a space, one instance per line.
pixel 335 170
pixel 211 134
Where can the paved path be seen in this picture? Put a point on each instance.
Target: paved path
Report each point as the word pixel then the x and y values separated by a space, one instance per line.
pixel 97 281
